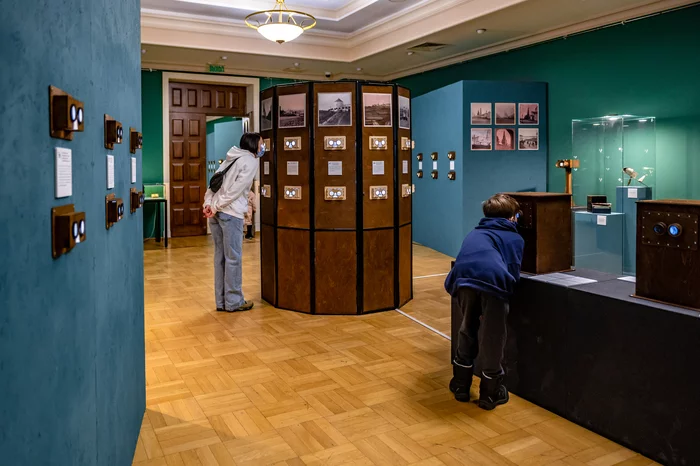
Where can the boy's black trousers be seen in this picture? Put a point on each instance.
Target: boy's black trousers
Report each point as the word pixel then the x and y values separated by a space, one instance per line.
pixel 482 320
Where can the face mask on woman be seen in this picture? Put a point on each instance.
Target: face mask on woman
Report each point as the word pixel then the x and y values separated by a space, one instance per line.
pixel 261 151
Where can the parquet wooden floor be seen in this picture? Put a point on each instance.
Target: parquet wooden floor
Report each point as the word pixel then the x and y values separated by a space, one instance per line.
pixel 277 387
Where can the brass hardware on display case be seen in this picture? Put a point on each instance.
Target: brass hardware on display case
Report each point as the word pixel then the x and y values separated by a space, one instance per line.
pixel 292 192
pixel 378 192
pixel 378 143
pixel 293 143
pixel 334 142
pixel 334 193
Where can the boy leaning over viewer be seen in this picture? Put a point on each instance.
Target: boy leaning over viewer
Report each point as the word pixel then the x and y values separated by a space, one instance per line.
pixel 481 283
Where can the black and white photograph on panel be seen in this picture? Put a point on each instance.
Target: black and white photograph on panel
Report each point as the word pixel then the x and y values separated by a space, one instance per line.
pixel 292 111
pixel 377 109
pixel 404 112
pixel 335 109
pixel 266 114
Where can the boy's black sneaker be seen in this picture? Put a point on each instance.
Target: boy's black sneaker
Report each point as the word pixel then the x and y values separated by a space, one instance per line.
pixel 461 382
pixel 492 392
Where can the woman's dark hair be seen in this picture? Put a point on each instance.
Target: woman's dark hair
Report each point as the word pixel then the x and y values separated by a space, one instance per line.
pixel 500 206
pixel 250 142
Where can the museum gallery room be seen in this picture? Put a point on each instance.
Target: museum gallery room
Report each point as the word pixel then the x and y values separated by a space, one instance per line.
pixel 350 232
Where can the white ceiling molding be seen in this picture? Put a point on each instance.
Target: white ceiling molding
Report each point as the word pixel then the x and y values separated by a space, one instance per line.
pixel 319 13
pixel 569 30
pixel 388 38
pixel 164 28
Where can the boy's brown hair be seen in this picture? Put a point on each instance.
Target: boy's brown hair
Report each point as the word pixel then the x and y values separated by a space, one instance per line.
pixel 500 206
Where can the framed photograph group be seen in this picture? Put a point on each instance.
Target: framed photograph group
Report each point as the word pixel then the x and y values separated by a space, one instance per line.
pixel 525 115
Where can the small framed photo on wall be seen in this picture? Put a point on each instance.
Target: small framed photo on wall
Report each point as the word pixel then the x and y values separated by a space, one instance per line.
pixel 528 139
pixel 529 114
pixel 482 139
pixel 481 113
pixel 505 114
pixel 505 139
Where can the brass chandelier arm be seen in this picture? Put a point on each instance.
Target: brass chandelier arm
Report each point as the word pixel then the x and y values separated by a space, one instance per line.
pixel 281 11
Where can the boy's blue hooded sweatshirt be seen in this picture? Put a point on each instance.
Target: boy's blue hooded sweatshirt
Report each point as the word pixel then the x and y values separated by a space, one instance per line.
pixel 489 260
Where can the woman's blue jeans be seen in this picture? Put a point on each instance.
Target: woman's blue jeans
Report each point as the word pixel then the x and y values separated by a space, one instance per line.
pixel 227 232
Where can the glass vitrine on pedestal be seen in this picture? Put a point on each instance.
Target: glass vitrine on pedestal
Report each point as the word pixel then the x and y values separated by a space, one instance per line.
pixel 617 159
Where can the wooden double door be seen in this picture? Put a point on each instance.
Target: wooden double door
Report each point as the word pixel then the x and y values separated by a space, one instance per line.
pixel 190 104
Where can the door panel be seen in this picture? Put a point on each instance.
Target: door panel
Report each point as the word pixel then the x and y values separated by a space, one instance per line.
pixel 189 105
pixel 187 185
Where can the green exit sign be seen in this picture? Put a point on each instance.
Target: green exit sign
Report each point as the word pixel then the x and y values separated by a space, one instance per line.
pixel 216 68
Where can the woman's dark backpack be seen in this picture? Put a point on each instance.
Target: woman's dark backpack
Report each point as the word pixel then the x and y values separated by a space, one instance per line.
pixel 218 179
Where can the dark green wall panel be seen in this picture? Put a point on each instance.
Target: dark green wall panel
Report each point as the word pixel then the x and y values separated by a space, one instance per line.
pixel 645 67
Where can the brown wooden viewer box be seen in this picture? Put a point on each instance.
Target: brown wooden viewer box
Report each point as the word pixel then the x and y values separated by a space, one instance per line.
pixel 668 259
pixel 545 225
pixel 335 225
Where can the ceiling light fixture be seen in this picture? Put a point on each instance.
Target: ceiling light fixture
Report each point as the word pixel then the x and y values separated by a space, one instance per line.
pixel 480 31
pixel 224 57
pixel 280 24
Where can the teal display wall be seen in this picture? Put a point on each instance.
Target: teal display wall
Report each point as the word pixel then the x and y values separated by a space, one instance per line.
pixel 152 111
pixel 438 126
pixel 72 375
pixel 645 67
pixel 444 211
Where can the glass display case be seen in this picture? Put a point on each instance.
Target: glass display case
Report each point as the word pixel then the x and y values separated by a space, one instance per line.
pixel 616 157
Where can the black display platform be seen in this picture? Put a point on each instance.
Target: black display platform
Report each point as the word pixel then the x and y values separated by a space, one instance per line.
pixel 623 367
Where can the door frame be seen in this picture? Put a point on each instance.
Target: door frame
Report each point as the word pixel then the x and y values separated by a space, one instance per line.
pixel 252 86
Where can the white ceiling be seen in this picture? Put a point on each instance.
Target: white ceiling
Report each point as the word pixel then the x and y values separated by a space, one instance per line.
pixel 345 16
pixel 373 35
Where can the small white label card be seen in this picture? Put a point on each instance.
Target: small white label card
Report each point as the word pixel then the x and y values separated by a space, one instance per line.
pixel 110 172
pixel 452 165
pixel 378 167
pixel 420 165
pixel 602 220
pixel 434 164
pixel 405 167
pixel 335 168
pixel 293 168
pixel 266 168
pixel 64 172
pixel 632 193
pixel 133 170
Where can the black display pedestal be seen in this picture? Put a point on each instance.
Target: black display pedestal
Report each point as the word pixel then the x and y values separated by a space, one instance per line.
pixel 622 367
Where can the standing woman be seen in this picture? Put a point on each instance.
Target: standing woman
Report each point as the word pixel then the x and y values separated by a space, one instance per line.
pixel 225 208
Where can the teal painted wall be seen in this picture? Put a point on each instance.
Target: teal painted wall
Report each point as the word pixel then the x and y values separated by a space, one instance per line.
pixel 646 67
pixel 438 125
pixel 444 211
pixel 72 375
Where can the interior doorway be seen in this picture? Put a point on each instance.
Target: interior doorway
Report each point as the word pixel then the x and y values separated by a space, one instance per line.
pixel 188 102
